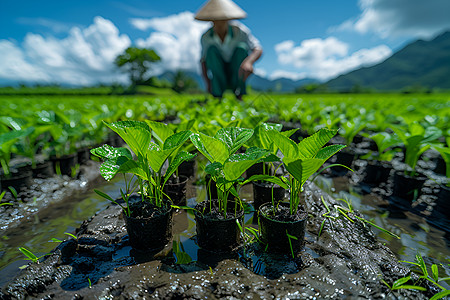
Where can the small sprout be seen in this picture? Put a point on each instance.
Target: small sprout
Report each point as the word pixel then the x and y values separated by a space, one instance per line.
pixel 55 240
pixel 290 243
pixel 28 254
pixel 13 192
pixel 71 235
pixel 90 283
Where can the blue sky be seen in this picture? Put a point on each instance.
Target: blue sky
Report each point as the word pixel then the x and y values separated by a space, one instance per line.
pixel 75 42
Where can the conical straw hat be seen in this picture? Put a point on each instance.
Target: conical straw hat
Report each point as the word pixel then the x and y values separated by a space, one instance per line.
pixel 215 10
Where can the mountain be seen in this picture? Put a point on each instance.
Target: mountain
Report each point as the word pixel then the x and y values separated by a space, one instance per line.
pixel 279 85
pixel 257 83
pixel 420 64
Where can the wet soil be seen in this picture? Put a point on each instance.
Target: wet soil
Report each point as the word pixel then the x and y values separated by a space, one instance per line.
pixel 282 213
pixel 45 191
pixel 346 261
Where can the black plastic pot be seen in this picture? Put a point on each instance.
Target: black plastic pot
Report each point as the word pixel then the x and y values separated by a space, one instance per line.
pixel 176 191
pixel 65 163
pixel 256 169
pixel 187 168
pixel 345 158
pixel 443 200
pixel 274 232
pixel 440 166
pixel 43 170
pixel 377 172
pixel 214 232
pixel 407 187
pixel 16 180
pixel 263 192
pixel 83 155
pixel 149 233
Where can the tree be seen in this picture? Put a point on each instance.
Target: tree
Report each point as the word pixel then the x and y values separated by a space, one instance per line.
pixel 136 61
pixel 183 82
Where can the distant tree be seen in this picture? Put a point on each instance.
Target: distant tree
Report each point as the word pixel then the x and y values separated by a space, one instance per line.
pixel 183 83
pixel 311 88
pixel 136 62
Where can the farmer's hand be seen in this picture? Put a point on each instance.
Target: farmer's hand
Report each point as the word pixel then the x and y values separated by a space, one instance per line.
pixel 246 69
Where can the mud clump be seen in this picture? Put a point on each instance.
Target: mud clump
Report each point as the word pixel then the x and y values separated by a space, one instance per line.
pixel 346 261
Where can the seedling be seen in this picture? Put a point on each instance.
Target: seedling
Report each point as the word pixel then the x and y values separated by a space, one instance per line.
pixel 1 197
pixel 30 255
pixel 433 278
pixel 345 211
pixel 416 140
pixel 225 166
pixel 302 160
pixel 13 192
pixel 150 157
pixel 290 243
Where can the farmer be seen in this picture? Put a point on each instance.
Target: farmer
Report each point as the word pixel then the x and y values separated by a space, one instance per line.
pixel 229 50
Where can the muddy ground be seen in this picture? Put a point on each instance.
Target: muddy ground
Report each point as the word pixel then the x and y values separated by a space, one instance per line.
pixel 346 261
pixel 43 192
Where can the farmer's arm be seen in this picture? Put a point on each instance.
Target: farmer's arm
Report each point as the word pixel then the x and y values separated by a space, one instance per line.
pixel 247 65
pixel 205 76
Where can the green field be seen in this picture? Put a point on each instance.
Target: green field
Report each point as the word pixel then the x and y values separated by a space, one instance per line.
pixel 62 123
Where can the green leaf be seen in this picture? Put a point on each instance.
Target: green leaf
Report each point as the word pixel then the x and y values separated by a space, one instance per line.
pixel 106 196
pixel 268 178
pixel 431 134
pixel 156 157
pixel 440 295
pixel 136 134
pixel 133 167
pixel 310 146
pixel 160 131
pixel 109 152
pixel 285 144
pixel 214 169
pixel 177 161
pixel 329 151
pixel 383 140
pixel 301 170
pixel 409 287
pixel 435 272
pixel 9 138
pixel 233 137
pixel 28 254
pixel 237 164
pixel 195 139
pixel 422 264
pixel 71 235
pixel 400 281
pixel 13 191
pixel 111 167
pixel 177 139
pixel 216 149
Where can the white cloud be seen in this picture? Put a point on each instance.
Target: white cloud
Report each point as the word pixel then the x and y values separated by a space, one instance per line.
pixel 286 74
pixel 260 72
pixel 176 39
pixel 84 57
pixel 401 18
pixel 324 59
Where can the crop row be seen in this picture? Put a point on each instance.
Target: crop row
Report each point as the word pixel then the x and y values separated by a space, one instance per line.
pixel 36 127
